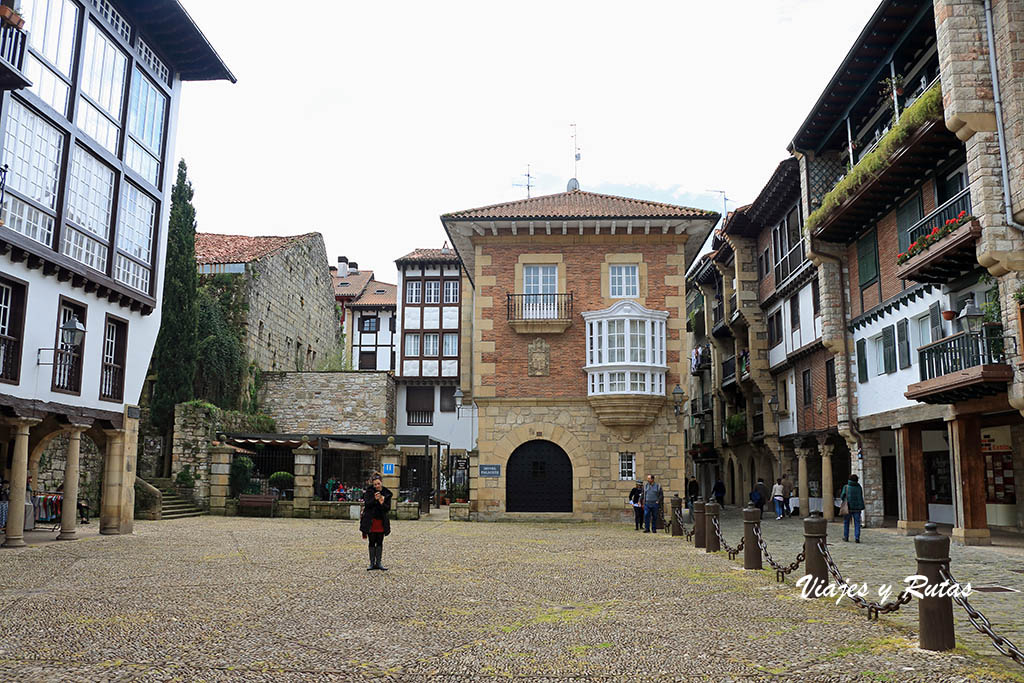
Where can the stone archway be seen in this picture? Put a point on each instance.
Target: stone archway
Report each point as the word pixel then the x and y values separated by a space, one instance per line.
pixel 538 478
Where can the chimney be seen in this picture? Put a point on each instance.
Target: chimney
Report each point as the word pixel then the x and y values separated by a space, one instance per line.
pixel 342 266
pixel 353 267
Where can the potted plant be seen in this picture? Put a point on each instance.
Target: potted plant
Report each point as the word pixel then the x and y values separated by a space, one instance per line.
pixel 736 423
pixel 12 16
pixel 948 315
pixel 282 481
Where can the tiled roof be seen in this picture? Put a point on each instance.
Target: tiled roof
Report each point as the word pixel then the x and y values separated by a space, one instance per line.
pixel 353 284
pixel 445 255
pixel 212 248
pixel 577 204
pixel 378 294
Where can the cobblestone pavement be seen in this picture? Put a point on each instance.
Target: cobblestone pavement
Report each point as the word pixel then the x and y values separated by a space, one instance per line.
pixel 886 556
pixel 278 599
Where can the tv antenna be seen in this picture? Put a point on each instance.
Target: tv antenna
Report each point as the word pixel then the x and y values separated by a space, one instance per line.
pixel 725 211
pixel 575 151
pixel 529 181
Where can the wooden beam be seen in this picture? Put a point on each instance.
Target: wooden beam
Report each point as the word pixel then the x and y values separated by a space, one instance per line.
pixel 547 227
pixel 494 230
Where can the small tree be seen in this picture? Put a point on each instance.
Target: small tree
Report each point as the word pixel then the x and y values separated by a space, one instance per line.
pixel 241 473
pixel 174 357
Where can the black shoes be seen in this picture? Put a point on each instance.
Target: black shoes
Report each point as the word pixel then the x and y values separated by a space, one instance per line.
pixel 377 564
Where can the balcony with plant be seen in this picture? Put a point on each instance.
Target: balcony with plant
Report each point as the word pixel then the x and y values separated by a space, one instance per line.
pixel 943 247
pixel 13 40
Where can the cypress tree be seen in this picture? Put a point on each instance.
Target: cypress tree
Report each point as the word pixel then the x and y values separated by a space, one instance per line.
pixel 174 357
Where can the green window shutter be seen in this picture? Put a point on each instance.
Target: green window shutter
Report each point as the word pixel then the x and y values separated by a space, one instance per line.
pixel 908 214
pixel 935 321
pixel 867 259
pixel 903 342
pixel 862 360
pixel 889 348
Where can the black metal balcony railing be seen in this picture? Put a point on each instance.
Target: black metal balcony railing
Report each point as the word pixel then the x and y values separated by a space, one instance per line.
pixel 112 382
pixel 790 263
pixel 12 58
pixel 706 403
pixel 745 362
pixel 694 304
pixel 717 311
pixel 10 357
pixel 732 304
pixel 938 217
pixel 67 371
pixel 759 423
pixel 420 418
pixel 539 306
pixel 729 368
pixel 963 350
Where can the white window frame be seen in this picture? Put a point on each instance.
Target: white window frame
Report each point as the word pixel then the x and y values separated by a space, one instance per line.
pixel 430 345
pixel 451 291
pixel 627 466
pixel 413 292
pixel 626 350
pixel 878 347
pixel 412 345
pixel 432 292
pixel 450 345
pixel 623 280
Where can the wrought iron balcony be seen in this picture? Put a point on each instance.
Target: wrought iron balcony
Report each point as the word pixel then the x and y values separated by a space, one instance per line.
pixel 702 360
pixel 706 404
pixel 744 362
pixel 963 366
pixel 951 256
pixel 532 313
pixel 12 58
pixel 10 358
pixel 717 312
pixel 67 371
pixel 729 369
pixel 112 382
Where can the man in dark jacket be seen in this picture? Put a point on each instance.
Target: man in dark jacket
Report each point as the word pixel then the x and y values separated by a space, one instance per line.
pixel 853 494
pixel 719 492
pixel 636 500
pixel 762 489
pixel 375 524
pixel 692 492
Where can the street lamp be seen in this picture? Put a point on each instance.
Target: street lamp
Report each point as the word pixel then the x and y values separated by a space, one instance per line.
pixel 677 399
pixel 971 316
pixel 72 332
pixel 773 405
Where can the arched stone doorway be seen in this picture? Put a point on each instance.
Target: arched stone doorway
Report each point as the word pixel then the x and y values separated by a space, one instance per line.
pixel 538 478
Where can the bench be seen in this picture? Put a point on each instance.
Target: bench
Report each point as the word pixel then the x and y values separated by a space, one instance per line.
pixel 258 501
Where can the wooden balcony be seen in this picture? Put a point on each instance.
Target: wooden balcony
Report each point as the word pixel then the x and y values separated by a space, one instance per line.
pixel 963 366
pixel 951 257
pixel 12 58
pixel 539 313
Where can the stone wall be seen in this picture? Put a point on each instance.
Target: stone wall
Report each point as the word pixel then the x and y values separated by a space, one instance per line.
pixel 196 425
pixel 330 402
pixel 51 469
pixel 291 323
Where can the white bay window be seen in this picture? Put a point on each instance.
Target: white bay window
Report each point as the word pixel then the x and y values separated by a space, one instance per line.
pixel 626 350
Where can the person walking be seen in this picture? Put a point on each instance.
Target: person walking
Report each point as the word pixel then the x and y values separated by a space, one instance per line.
pixel 777 497
pixel 652 495
pixel 762 495
pixel 853 500
pixel 374 524
pixel 787 490
pixel 718 490
pixel 692 492
pixel 636 500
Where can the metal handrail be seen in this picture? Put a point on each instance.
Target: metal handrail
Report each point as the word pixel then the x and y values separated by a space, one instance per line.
pixel 964 350
pixel 539 306
pixel 937 218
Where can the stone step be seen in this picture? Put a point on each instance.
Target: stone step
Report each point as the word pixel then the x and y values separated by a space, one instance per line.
pixel 169 509
pixel 182 515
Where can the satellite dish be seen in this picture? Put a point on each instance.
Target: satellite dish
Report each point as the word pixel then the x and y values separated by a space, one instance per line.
pixel 573 185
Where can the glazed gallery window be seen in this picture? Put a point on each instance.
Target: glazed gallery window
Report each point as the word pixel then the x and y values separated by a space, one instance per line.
pixel 32 150
pixel 90 202
pixel 430 344
pixel 624 281
pixel 104 68
pixel 627 466
pixel 412 345
pixel 135 225
pixel 432 292
pixel 451 291
pixel 54 25
pixel 451 345
pixel 626 353
pixel 412 292
pixel 147 108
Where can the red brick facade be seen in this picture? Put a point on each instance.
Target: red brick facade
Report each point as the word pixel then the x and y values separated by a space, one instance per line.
pixel 820 413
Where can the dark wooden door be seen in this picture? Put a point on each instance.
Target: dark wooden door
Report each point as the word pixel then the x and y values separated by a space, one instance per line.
pixel 890 494
pixel 538 478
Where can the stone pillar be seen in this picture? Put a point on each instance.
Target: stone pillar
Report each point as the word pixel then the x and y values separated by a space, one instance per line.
pixel 910 485
pixel 827 489
pixel 111 521
pixel 870 476
pixel 305 467
pixel 69 505
pixel 220 477
pixel 968 481
pixel 474 481
pixel 391 466
pixel 802 484
pixel 15 537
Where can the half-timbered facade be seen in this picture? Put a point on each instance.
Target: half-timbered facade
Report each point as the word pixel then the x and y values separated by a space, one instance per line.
pixel 89 150
pixel 375 327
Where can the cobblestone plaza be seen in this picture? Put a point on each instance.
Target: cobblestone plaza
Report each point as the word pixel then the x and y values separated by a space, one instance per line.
pixel 213 598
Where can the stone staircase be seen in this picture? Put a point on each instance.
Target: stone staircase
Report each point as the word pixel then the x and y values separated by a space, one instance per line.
pixel 174 506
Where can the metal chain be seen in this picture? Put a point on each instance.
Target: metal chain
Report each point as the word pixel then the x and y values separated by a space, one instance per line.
pixel 733 552
pixel 688 532
pixel 780 570
pixel 980 622
pixel 873 608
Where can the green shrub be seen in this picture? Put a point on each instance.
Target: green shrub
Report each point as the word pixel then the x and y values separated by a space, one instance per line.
pixel 185 477
pixel 282 480
pixel 736 423
pixel 241 473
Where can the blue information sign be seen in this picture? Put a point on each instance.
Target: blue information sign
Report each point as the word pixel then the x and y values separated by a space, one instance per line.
pixel 490 470
pixel 388 468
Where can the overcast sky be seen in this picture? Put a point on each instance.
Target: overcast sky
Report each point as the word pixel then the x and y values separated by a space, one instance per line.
pixel 367 120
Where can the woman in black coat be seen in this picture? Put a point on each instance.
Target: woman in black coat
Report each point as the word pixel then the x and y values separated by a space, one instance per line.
pixel 375 523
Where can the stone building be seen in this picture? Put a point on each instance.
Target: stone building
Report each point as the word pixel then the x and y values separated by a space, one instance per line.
pixel 88 148
pixel 579 305
pixel 285 291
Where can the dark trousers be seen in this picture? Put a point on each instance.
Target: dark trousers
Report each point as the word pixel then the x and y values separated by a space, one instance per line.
pixel 376 539
pixel 638 516
pixel 785 506
pixel 651 517
pixel 760 506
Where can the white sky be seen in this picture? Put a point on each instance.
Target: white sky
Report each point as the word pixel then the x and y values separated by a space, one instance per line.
pixel 367 120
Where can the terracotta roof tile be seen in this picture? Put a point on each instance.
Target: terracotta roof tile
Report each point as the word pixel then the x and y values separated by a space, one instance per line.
pixel 446 255
pixel 378 294
pixel 212 248
pixel 577 204
pixel 353 284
